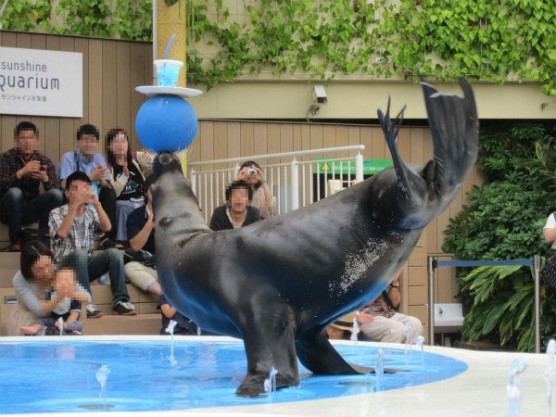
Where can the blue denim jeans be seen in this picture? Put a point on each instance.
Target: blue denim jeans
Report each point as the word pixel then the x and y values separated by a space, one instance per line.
pixel 17 211
pixel 91 267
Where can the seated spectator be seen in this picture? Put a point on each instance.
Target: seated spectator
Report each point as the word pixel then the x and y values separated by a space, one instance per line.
pixel 126 178
pixel 380 321
pixel 72 229
pixel 36 300
pixel 237 212
pixel 140 268
pixel 65 290
pixel 253 175
pixel 183 326
pixel 341 328
pixel 22 170
pixel 86 159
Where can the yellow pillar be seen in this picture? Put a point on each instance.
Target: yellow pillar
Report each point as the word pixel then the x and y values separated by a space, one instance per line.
pixel 171 20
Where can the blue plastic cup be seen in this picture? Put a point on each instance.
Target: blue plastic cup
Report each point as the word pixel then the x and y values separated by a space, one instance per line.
pixel 167 72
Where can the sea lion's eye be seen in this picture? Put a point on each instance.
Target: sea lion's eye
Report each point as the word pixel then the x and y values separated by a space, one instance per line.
pixel 165 221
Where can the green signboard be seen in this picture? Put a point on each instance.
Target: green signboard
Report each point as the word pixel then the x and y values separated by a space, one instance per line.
pixel 370 166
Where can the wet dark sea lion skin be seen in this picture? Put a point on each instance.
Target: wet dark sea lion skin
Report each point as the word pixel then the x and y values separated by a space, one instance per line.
pixel 278 283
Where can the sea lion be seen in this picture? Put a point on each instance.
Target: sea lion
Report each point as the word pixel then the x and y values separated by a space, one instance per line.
pixel 279 282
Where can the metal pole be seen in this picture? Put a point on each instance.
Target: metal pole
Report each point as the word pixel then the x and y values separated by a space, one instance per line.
pixel 430 269
pixel 359 167
pixel 536 276
pixel 295 184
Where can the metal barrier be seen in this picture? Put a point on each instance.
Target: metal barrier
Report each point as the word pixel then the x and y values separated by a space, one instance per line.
pixel 534 262
pixel 294 182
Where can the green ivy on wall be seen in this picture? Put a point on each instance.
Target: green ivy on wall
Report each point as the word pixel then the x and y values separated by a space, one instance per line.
pixel 493 41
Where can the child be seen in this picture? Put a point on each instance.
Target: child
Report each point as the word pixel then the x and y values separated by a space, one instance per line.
pixel 66 291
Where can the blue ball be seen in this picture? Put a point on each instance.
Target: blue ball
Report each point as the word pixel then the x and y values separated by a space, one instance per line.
pixel 166 123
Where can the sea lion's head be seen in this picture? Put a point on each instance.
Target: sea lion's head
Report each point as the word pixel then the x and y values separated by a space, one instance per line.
pixel 176 208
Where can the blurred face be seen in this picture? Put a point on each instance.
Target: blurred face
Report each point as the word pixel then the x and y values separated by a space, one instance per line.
pixel 119 145
pixel 26 142
pixel 251 174
pixel 87 144
pixel 65 280
pixel 239 200
pixel 42 269
pixel 77 187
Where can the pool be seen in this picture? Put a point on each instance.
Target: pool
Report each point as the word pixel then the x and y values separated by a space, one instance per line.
pixel 153 373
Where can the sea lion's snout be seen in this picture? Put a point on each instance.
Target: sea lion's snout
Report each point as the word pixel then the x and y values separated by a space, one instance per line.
pixel 165 162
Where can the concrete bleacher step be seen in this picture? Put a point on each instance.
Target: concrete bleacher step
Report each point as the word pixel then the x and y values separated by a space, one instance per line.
pixel 141 324
pixel 147 321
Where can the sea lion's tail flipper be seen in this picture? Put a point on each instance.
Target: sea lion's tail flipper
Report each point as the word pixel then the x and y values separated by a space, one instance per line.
pixel 455 133
pixel 317 354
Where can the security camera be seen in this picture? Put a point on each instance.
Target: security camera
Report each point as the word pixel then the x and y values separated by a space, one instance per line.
pixel 319 94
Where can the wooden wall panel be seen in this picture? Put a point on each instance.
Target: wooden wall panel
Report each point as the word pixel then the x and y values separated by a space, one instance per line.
pixel 112 70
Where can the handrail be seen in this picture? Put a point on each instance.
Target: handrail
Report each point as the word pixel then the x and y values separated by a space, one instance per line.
pixel 533 262
pixel 280 155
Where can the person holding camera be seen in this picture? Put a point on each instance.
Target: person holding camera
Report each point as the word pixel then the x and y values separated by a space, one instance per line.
pixel 72 230
pixel 263 199
pixel 22 170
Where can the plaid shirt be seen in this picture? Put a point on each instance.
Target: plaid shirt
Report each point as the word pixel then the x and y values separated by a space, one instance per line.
pixel 12 161
pixel 82 233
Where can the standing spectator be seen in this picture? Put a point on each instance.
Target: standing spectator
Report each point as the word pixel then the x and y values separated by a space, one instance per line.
pixel 22 170
pixel 140 270
pixel 72 230
pixel 126 178
pixel 237 212
pixel 36 300
pixel 252 174
pixel 87 159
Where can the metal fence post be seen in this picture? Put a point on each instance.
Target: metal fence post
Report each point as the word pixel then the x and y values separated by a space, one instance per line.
pixel 295 184
pixel 536 276
pixel 430 270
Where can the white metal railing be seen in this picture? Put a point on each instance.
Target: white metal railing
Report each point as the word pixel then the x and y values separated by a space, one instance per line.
pixel 294 180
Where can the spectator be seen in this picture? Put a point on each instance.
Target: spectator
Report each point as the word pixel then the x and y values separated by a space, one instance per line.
pixel 252 174
pixel 237 212
pixel 183 325
pixel 87 159
pixel 140 268
pixel 126 178
pixel 72 230
pixel 380 321
pixel 36 302
pixel 22 170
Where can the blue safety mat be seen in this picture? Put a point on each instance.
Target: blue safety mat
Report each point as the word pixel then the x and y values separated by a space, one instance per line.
pixel 66 376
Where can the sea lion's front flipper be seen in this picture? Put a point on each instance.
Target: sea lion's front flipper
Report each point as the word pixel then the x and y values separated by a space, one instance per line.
pixel 317 354
pixel 268 336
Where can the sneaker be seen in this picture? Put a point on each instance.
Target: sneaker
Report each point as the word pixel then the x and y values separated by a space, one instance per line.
pixel 93 312
pixel 125 308
pixel 15 246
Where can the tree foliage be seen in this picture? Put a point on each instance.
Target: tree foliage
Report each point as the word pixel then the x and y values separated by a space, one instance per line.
pixel 503 219
pixel 486 40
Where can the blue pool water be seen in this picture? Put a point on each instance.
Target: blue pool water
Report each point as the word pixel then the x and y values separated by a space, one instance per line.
pixel 56 375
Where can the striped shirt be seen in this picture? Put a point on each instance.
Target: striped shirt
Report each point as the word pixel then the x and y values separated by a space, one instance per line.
pixel 81 236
